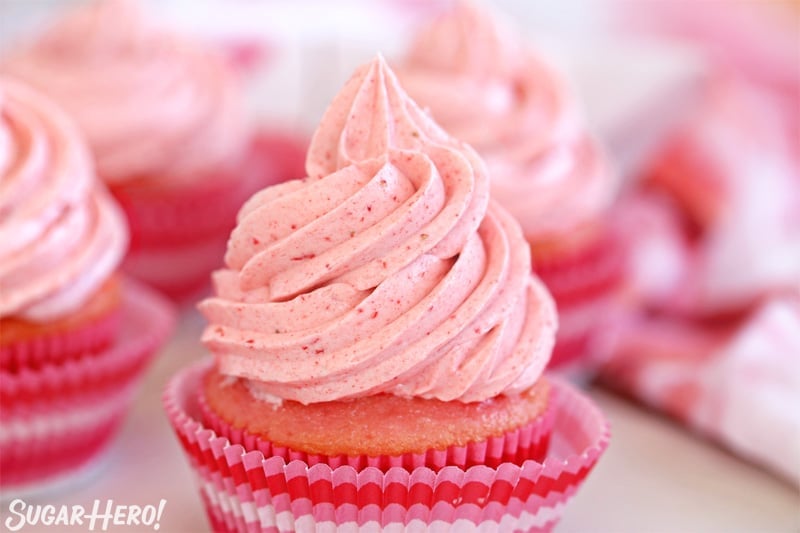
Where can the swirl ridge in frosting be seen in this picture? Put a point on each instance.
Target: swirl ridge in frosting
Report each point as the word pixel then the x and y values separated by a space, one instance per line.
pixel 150 104
pixel 61 235
pixel 485 86
pixel 386 270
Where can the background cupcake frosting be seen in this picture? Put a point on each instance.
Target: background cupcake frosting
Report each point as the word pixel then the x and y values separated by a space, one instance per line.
pixel 486 86
pixel 381 283
pixel 61 235
pixel 150 102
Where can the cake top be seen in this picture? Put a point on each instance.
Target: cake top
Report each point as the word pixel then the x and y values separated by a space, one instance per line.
pixel 487 87
pixel 61 235
pixel 153 105
pixel 386 270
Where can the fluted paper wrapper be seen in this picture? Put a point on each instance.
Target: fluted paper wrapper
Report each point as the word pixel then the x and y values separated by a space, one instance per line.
pixel 60 346
pixel 178 235
pixel 585 283
pixel 56 418
pixel 243 490
pixel 167 215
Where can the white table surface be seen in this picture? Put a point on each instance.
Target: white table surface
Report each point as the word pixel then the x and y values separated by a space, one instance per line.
pixel 654 477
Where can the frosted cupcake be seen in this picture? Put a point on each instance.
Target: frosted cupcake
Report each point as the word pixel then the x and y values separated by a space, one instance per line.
pixel 76 336
pixel 379 343
pixel 486 87
pixel 163 119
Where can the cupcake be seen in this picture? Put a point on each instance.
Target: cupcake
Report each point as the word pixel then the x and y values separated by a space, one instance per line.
pixel 76 335
pixel 486 87
pixel 163 119
pixel 378 345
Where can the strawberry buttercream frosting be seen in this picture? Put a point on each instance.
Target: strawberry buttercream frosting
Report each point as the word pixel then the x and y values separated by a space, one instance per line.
pixel 386 270
pixel 61 235
pixel 152 105
pixel 487 88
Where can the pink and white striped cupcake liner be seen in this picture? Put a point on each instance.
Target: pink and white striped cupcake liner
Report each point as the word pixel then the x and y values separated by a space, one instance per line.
pixel 245 491
pixel 585 286
pixel 57 417
pixel 178 236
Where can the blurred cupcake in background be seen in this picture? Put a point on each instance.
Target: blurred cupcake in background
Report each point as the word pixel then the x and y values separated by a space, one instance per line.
pixel 484 85
pixel 379 342
pixel 76 335
pixel 164 120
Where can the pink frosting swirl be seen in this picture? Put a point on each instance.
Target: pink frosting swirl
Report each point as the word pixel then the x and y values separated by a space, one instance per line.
pixel 151 104
pixel 386 270
pixel 61 235
pixel 484 86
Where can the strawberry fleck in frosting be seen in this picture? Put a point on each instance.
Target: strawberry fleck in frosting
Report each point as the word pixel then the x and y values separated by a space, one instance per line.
pixel 386 270
pixel 151 104
pixel 485 87
pixel 61 235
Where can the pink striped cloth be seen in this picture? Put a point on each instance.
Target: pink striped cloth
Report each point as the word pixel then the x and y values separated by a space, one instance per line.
pixel 711 332
pixel 736 383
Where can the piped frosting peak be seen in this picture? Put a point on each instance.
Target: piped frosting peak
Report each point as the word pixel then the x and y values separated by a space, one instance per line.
pixel 371 115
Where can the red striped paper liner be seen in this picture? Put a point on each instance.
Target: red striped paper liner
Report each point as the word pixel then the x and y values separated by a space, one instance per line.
pixel 285 153
pixel 586 273
pixel 528 442
pixel 568 352
pixel 575 353
pixel 165 217
pixel 179 237
pixel 178 272
pixel 55 419
pixel 581 282
pixel 188 214
pixel 244 491
pixel 60 346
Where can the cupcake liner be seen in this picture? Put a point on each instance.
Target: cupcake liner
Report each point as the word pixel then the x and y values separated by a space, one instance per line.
pixel 283 152
pixel 592 272
pixel 244 491
pixel 161 217
pixel 58 484
pixel 56 418
pixel 180 271
pixel 568 352
pixel 178 237
pixel 166 217
pixel 528 442
pixel 584 284
pixel 37 447
pixel 577 327
pixel 60 346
